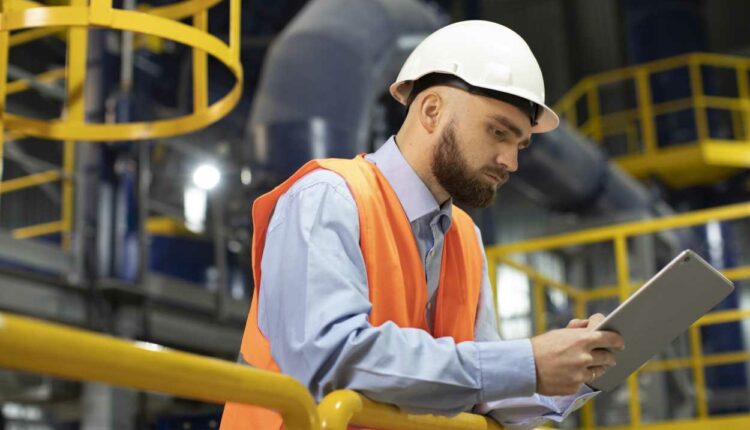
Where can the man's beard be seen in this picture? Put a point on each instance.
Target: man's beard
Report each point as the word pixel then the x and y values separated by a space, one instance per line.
pixel 467 188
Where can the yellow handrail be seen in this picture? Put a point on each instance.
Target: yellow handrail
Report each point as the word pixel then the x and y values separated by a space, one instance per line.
pixel 36 346
pixel 617 236
pixel 29 181
pixel 342 408
pixel 583 237
pixel 635 129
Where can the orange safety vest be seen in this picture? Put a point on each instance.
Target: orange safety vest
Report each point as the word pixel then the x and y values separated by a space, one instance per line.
pixel 395 273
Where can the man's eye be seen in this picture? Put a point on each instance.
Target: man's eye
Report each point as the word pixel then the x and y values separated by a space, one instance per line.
pixel 500 134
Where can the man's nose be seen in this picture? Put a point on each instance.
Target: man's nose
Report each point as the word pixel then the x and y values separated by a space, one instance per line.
pixel 508 159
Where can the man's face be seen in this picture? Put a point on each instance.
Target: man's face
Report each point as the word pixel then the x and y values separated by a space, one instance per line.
pixel 478 149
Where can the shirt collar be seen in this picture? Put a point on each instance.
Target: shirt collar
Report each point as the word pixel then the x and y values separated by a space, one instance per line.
pixel 415 197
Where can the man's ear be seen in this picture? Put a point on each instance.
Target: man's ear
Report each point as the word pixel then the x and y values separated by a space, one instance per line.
pixel 431 106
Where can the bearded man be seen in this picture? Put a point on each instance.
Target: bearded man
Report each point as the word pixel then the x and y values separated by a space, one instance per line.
pixel 369 277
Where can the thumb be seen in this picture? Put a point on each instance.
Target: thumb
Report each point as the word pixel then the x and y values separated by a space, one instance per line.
pixel 578 323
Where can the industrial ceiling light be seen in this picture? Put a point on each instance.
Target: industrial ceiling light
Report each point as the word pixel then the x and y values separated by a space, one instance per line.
pixel 206 177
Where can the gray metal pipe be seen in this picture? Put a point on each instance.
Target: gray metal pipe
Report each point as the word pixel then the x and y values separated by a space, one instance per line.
pixel 322 76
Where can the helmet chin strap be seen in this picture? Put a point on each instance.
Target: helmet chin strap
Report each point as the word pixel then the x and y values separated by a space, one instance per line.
pixel 430 80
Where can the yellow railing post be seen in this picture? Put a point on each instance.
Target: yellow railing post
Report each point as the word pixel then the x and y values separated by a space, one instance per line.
pixel 572 115
pixel 699 100
pixel 587 411
pixel 200 66
pixel 540 306
pixel 75 112
pixel 646 111
pixel 699 379
pixel 492 273
pixel 743 91
pixel 595 116
pixel 623 284
pixel 4 34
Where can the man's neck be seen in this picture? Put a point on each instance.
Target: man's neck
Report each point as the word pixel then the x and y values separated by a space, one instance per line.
pixel 420 159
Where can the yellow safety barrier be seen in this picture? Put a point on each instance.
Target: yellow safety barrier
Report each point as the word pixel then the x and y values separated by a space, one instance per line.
pixel 160 22
pixel 705 159
pixel 342 408
pixel 38 21
pixel 36 346
pixel 618 236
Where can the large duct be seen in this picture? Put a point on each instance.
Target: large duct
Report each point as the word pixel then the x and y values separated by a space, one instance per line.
pixel 565 172
pixel 325 72
pixel 322 78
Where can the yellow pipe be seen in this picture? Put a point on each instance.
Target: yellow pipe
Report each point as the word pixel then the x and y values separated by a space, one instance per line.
pixel 540 307
pixel 592 104
pixel 23 84
pixel 727 103
pixel 719 359
pixel 342 408
pixel 68 189
pixel 37 230
pixel 492 273
pixel 234 29
pixel 200 66
pixel 178 11
pixel 743 91
pixel 75 113
pixel 648 128
pixel 698 374
pixel 699 103
pixel 4 46
pixel 533 274
pixel 29 181
pixel 606 292
pixel 35 346
pixel 721 317
pixel 723 213
pixel 713 423
pixel 337 409
pixel 33 34
pixel 623 284
pixel 587 411
pixel 736 121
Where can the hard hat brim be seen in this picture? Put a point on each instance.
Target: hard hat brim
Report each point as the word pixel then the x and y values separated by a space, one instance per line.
pixel 547 121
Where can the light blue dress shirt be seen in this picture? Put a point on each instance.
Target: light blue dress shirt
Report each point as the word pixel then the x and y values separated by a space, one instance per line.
pixel 314 305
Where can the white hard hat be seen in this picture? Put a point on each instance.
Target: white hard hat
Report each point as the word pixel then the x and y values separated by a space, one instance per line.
pixel 492 59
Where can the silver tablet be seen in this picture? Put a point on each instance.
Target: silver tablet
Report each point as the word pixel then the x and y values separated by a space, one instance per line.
pixel 683 291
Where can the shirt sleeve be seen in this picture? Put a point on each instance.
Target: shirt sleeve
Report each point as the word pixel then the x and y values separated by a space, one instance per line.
pixel 520 413
pixel 314 307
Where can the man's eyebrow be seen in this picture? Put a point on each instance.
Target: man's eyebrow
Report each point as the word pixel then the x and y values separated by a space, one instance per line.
pixel 507 123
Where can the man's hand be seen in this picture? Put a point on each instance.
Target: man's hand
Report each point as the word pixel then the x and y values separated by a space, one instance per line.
pixel 569 357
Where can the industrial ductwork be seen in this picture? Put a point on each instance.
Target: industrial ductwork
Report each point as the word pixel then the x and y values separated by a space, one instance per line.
pixel 328 68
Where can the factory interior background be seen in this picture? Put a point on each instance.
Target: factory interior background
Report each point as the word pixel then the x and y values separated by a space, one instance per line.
pixel 131 157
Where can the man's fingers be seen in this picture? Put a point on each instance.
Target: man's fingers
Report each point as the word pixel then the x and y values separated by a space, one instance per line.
pixel 578 323
pixel 606 340
pixel 595 320
pixel 602 358
pixel 591 373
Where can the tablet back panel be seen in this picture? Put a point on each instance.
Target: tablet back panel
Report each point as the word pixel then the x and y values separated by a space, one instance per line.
pixel 661 310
